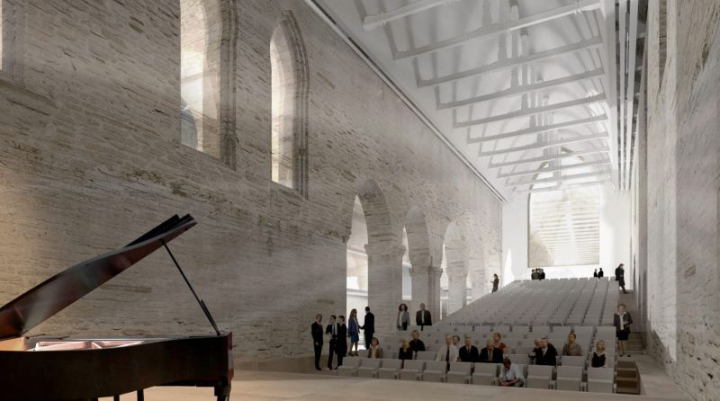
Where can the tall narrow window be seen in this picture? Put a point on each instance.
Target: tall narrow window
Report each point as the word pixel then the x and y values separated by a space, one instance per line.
pixel 199 74
pixel 662 33
pixel 288 62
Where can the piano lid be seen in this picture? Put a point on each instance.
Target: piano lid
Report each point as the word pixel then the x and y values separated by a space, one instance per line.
pixel 58 292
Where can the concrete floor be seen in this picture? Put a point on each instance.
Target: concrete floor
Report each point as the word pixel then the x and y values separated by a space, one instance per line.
pixel 264 386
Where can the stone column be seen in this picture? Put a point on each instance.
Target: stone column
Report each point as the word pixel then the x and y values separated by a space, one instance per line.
pixel 434 296
pixel 480 283
pixel 421 285
pixel 457 290
pixel 384 284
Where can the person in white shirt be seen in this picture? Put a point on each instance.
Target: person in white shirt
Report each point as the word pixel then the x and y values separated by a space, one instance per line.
pixel 448 352
pixel 510 374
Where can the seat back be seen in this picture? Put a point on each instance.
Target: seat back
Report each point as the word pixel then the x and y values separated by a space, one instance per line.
pixel 353 362
pixel 540 371
pixel 573 361
pixel 436 366
pixel 521 359
pixel 486 368
pixel 392 364
pixel 569 373
pixel 539 331
pixel 370 363
pixel 461 367
pixel 414 365
pixel 601 374
pixel 426 355
pixel 561 331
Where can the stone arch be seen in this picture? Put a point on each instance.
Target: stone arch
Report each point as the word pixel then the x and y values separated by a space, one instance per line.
pixel 420 259
pixel 290 87
pixel 455 264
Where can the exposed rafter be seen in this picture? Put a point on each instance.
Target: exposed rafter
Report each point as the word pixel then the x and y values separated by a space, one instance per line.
pixel 371 22
pixel 533 110
pixel 599 173
pixel 566 186
pixel 543 145
pixel 511 63
pixel 503 27
pixel 551 169
pixel 550 157
pixel 521 90
pixel 539 129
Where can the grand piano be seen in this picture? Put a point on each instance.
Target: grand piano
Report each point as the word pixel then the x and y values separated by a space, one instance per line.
pixel 79 368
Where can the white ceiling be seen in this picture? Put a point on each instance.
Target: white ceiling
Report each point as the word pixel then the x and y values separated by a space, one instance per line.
pixel 489 73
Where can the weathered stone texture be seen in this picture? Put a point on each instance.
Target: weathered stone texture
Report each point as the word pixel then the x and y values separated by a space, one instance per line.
pixel 90 156
pixel 683 246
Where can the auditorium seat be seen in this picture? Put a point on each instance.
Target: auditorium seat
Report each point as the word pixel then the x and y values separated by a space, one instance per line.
pixel 569 378
pixel 540 331
pixel 426 355
pixel 561 331
pixel 520 331
pixel 369 367
pixel 412 370
pixel 434 371
pixel 390 369
pixel 601 380
pixel 539 376
pixel 524 350
pixel 485 374
pixel 573 361
pixel 522 359
pixel 459 372
pixel 349 367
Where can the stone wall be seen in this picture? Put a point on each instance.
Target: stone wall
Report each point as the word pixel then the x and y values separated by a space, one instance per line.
pixel 682 184
pixel 90 157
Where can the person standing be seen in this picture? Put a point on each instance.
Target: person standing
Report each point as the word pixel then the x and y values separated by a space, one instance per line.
pixel 341 345
pixel 601 273
pixel 622 321
pixel 403 318
pixel 620 277
pixel 542 274
pixel 495 283
pixel 368 327
pixel 423 317
pixel 595 274
pixel 332 330
pixel 317 335
pixel 353 332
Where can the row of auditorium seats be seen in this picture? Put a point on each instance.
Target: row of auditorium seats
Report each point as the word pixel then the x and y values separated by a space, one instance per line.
pixel 565 377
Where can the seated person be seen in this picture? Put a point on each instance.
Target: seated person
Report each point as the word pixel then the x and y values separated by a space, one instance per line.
pixel 535 350
pixel 406 353
pixel 416 343
pixel 571 348
pixel 546 354
pixel 510 374
pixel 448 352
pixel 490 354
pixel 469 352
pixel 375 352
pixel 498 342
pixel 456 340
pixel 598 359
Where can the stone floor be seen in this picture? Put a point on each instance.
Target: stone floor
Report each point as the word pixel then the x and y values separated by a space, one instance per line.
pixel 265 386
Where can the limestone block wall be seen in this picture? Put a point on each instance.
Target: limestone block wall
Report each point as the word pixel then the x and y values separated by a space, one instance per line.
pixel 90 157
pixel 683 246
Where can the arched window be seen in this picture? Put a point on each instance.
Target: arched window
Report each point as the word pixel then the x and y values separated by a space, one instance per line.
pixel 200 39
pixel 288 62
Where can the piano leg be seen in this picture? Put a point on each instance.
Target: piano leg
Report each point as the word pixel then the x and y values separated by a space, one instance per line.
pixel 116 398
pixel 140 395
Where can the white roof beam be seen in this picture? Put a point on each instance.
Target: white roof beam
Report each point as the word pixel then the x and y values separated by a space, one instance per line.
pixel 371 22
pixel 630 94
pixel 543 145
pixel 521 90
pixel 503 27
pixel 534 110
pixel 511 63
pixel 549 158
pixel 551 169
pixel 558 179
pixel 536 130
pixel 610 40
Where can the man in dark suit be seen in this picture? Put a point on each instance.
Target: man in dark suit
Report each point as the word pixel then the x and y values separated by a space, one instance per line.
pixel 332 329
pixel 423 317
pixel 601 273
pixel 620 277
pixel 317 335
pixel 341 346
pixel 546 354
pixel 490 354
pixel 469 352
pixel 368 327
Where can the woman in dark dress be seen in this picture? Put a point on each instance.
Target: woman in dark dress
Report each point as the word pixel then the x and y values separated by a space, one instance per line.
pixel 622 322
pixel 406 353
pixel 598 359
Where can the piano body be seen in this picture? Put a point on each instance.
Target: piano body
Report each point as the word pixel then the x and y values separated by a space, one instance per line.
pixel 63 368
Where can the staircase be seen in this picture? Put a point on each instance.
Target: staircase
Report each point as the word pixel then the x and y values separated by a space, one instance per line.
pixel 628 375
pixel 628 378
